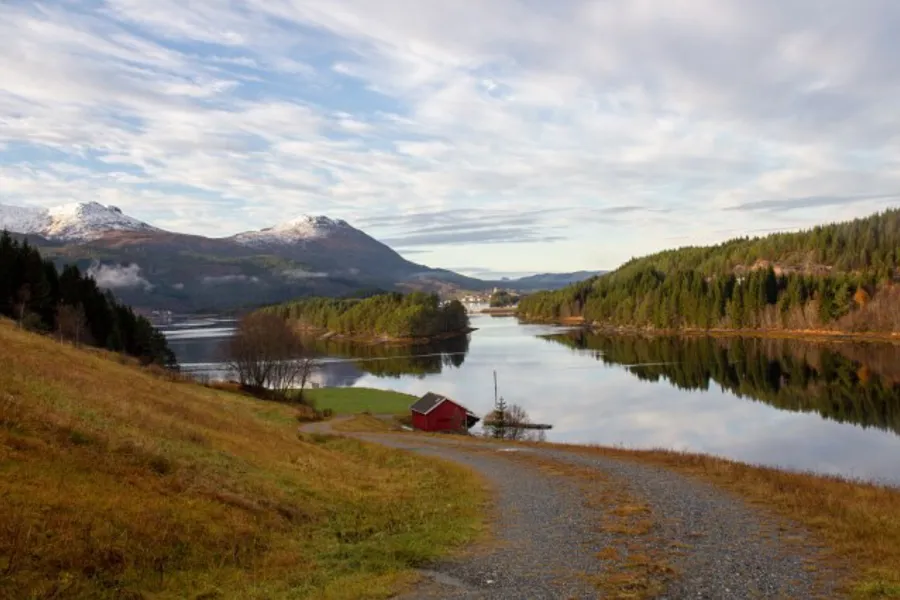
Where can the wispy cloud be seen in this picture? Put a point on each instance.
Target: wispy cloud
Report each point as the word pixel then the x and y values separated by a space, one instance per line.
pixel 612 125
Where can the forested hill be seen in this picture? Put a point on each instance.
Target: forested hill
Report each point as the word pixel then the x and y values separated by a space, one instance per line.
pixel 838 276
pixel 71 306
pixel 393 315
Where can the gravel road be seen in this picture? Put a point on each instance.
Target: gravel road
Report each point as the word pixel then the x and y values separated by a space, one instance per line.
pixel 547 534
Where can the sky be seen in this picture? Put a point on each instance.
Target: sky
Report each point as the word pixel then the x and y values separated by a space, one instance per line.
pixel 497 137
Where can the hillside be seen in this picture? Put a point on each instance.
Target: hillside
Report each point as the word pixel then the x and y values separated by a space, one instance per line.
pixel 838 277
pixel 549 281
pixel 148 267
pixel 71 306
pixel 119 483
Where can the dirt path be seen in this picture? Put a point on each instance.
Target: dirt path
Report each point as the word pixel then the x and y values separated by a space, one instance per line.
pixel 568 525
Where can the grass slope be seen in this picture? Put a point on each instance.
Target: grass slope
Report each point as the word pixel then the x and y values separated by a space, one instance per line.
pixel 117 482
pixel 347 401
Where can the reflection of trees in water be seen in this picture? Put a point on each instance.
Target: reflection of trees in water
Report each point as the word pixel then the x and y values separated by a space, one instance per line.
pixel 846 382
pixel 391 360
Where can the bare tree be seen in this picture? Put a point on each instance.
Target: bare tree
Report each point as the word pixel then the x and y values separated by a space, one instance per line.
pixel 267 354
pixel 23 297
pixel 507 422
pixel 71 324
pixel 516 422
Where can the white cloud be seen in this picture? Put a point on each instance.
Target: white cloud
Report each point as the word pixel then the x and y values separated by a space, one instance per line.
pixel 300 274
pixel 216 117
pixel 118 276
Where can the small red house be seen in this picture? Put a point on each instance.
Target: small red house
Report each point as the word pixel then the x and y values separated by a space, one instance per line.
pixel 433 412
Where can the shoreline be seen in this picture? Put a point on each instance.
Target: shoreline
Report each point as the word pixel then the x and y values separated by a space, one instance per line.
pixel 325 335
pixel 814 335
pixel 499 311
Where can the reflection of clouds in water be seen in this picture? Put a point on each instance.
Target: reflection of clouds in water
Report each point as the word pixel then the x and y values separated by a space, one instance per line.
pixel 195 334
pixel 588 402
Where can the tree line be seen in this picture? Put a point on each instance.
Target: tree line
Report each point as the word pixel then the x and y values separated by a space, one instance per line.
pixel 393 315
pixel 787 374
pixel 834 277
pixel 69 304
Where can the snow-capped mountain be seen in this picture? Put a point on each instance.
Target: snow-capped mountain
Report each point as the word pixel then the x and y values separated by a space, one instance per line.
pixel 79 221
pixel 291 232
pixel 153 268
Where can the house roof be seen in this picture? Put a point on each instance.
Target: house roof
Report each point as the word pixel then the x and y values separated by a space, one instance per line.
pixel 430 401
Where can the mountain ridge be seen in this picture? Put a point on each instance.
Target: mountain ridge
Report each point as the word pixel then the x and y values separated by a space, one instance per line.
pixel 76 221
pixel 152 268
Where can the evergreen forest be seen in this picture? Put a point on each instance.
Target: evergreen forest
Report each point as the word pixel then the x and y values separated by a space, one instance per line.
pixel 393 315
pixel 70 305
pixel 834 277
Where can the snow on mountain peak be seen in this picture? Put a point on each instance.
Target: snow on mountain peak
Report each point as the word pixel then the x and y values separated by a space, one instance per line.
pixel 303 228
pixel 77 221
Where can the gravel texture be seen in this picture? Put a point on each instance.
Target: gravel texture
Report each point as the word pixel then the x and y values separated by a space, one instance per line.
pixel 547 539
pixel 733 550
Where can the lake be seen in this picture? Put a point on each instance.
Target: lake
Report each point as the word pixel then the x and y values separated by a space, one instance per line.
pixel 830 408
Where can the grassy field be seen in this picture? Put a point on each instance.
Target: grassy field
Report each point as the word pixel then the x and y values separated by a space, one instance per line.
pixel 117 482
pixel 347 401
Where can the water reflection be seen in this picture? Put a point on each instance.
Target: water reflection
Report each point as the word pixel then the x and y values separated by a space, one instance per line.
pixel 688 395
pixel 201 348
pixel 845 382
pixel 395 361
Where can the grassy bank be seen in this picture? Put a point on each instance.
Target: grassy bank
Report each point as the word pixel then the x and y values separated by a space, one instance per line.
pixel 118 482
pixel 348 401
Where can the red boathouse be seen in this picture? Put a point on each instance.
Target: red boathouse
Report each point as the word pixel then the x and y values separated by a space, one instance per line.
pixel 433 412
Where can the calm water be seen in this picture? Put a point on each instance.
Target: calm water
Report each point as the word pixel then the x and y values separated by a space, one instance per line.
pixel 830 408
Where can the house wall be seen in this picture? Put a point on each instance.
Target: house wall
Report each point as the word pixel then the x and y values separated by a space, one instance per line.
pixel 420 421
pixel 447 417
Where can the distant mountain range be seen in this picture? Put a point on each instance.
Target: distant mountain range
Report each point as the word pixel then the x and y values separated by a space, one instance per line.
pixel 551 281
pixel 155 269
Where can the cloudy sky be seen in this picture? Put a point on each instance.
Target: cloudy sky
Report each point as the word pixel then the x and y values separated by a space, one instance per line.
pixel 497 136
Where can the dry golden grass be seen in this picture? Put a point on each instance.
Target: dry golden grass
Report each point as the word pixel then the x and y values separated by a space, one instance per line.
pixel 119 482
pixel 858 523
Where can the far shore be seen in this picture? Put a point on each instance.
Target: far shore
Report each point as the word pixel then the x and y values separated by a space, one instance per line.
pixel 804 334
pixel 324 334
pixel 499 311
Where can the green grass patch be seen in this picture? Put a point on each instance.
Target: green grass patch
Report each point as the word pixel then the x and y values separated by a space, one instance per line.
pixel 353 401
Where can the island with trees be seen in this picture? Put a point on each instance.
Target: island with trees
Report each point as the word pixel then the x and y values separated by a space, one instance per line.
pixel 835 278
pixel 416 316
pixel 503 299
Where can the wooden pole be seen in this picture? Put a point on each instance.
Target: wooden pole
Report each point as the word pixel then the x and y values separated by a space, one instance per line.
pixel 495 388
